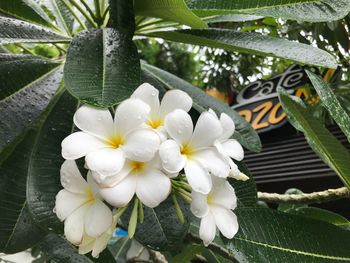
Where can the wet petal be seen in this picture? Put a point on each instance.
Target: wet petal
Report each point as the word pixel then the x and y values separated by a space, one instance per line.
pixel 198 178
pixel 213 162
pixel 79 144
pixel 175 99
pixel 207 229
pixel 233 149
pixel 223 194
pixel 94 121
pixel 207 130
pixel 130 115
pixel 98 219
pixel 199 206
pixel 150 95
pixel 111 180
pixel 141 145
pixel 106 161
pixel 120 194
pixel 71 178
pixel 228 126
pixel 225 220
pixel 153 187
pixel 171 158
pixel 74 225
pixel 67 203
pixel 179 126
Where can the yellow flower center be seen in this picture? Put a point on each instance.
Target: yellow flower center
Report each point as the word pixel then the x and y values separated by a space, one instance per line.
pixel 89 195
pixel 137 166
pixel 187 150
pixel 116 140
pixel 155 123
pixel 210 199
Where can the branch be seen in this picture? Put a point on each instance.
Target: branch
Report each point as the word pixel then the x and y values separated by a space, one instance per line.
pixel 310 198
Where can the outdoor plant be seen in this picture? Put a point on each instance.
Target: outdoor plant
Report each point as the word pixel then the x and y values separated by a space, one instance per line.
pixel 96 138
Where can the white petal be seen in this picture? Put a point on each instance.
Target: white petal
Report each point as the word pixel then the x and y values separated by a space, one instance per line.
pixel 150 95
pixel 207 130
pixel 179 126
pixel 79 144
pixel 141 145
pixel 207 229
pixel 71 178
pixel 100 244
pixel 98 219
pixel 67 203
pixel 96 122
pixel 234 171
pixel 120 194
pixel 213 162
pixel 233 149
pixel 74 225
pixel 199 206
pixel 111 180
pixel 162 133
pixel 223 194
pixel 130 115
pixel 153 187
pixel 225 220
pixel 86 245
pixel 228 126
pixel 198 178
pixel 170 155
pixel 106 161
pixel 175 99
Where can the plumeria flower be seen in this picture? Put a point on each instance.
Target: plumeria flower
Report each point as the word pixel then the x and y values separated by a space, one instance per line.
pixel 173 99
pixel 214 209
pixel 80 206
pixel 145 179
pixel 107 143
pixel 193 150
pixel 229 148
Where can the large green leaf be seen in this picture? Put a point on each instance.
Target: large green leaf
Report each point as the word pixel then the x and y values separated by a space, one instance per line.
pixel 44 170
pixel 173 10
pixel 122 16
pixel 161 228
pixel 28 10
pixel 102 67
pixel 252 43
pixel 56 248
pixel 301 10
pixel 321 214
pixel 319 138
pixel 266 235
pixel 330 101
pixel 17 31
pixel 17 231
pixel 246 135
pixel 27 85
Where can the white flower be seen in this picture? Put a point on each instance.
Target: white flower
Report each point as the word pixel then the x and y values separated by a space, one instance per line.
pixel 214 210
pixel 229 148
pixel 193 150
pixel 80 206
pixel 173 99
pixel 107 143
pixel 145 179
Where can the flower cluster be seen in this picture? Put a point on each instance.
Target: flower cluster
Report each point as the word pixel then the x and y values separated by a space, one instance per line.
pixel 141 152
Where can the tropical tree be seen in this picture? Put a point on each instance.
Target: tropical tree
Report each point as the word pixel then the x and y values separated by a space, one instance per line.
pixel 73 87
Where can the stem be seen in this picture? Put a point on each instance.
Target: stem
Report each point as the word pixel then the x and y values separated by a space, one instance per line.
pixel 87 7
pixel 97 10
pixel 88 18
pixel 310 198
pixel 25 49
pixel 213 247
pixel 74 14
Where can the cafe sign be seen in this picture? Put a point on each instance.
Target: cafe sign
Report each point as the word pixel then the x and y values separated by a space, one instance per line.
pixel 258 103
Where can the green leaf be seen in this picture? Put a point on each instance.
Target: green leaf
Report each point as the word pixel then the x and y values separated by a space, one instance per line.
pixel 322 215
pixel 161 228
pixel 245 190
pixel 301 10
pixel 173 10
pixel 56 248
pixel 212 257
pixel 251 43
pixel 266 235
pixel 244 133
pixel 27 10
pixel 17 31
pixel 27 85
pixel 44 171
pixel 17 230
pixel 122 16
pixel 188 253
pixel 102 67
pixel 232 18
pixel 318 137
pixel 330 101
